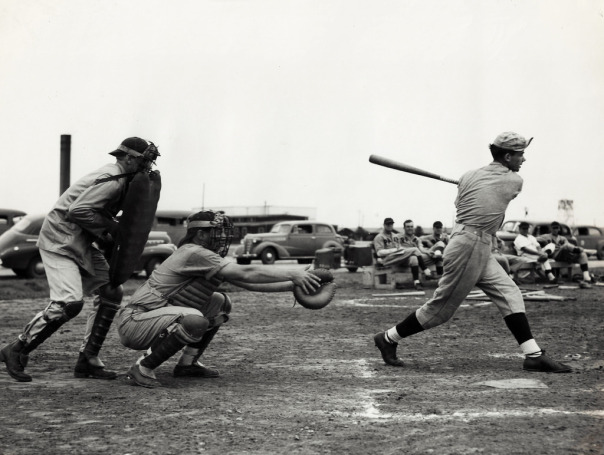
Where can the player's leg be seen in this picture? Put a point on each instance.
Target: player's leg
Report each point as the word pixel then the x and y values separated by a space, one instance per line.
pixel 66 296
pixel 162 332
pixel 466 256
pixel 576 255
pixel 189 364
pixel 504 293
pixel 104 308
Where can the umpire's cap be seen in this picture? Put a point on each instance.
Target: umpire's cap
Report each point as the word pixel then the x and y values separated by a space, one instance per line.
pixel 511 141
pixel 133 146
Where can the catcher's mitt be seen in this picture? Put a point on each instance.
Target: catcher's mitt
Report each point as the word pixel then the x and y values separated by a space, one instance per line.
pixel 322 296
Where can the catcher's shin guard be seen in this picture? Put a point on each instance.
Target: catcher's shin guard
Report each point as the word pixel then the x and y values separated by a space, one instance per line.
pixel 164 348
pixel 110 299
pixel 196 350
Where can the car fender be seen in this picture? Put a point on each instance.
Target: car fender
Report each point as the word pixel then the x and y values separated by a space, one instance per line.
pixel 333 244
pixel 20 259
pixel 281 252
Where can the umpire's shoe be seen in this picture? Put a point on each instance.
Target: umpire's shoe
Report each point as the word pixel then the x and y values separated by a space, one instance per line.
pixel 85 369
pixel 15 360
pixel 388 350
pixel 197 370
pixel 544 364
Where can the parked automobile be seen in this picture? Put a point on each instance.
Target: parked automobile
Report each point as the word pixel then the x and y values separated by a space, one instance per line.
pixel 509 231
pixel 591 239
pixel 18 250
pixel 289 240
pixel 172 222
pixel 8 218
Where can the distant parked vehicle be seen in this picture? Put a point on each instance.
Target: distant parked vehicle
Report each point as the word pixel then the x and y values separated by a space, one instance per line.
pixel 9 217
pixel 289 240
pixel 591 239
pixel 509 231
pixel 18 250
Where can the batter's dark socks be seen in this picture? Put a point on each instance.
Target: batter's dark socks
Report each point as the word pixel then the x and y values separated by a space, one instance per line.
pixel 410 326
pixel 584 267
pixel 415 272
pixel 519 326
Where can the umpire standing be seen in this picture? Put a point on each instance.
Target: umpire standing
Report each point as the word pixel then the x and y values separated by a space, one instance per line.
pixel 482 199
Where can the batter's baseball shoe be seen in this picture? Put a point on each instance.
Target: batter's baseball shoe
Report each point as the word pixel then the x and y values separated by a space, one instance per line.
pixel 137 377
pixel 15 361
pixel 388 350
pixel 197 370
pixel 85 369
pixel 544 364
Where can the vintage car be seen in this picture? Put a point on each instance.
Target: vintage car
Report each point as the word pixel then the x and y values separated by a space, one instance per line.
pixel 18 250
pixel 509 231
pixel 9 217
pixel 289 240
pixel 591 239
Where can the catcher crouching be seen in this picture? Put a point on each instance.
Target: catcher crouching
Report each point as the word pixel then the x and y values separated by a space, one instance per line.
pixel 178 306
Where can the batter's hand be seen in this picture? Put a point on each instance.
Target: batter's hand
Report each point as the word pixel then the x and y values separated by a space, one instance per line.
pixel 308 281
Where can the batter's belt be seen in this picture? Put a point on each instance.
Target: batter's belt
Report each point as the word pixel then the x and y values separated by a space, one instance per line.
pixel 484 236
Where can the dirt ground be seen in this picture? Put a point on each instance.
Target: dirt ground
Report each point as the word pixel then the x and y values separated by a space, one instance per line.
pixel 303 382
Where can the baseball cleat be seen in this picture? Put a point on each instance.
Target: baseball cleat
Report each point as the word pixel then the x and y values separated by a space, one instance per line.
pixel 136 376
pixel 197 370
pixel 388 350
pixel 15 361
pixel 544 364
pixel 84 369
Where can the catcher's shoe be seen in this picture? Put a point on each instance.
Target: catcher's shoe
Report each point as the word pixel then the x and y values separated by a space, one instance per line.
pixel 84 369
pixel 15 360
pixel 197 370
pixel 136 375
pixel 544 364
pixel 388 350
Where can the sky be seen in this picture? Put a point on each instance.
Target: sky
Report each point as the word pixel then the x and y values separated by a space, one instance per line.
pixel 281 102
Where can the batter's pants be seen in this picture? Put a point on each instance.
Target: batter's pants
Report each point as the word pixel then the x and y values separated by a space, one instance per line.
pixel 468 262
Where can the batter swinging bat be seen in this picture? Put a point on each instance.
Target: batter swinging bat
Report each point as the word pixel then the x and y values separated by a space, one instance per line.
pixel 386 162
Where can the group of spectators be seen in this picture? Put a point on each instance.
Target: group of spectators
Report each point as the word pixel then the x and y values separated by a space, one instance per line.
pixel 408 250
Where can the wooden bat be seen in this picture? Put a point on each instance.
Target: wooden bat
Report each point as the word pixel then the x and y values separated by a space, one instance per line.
pixel 386 162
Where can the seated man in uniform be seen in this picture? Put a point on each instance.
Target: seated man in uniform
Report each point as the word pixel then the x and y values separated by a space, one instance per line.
pixel 529 251
pixel 560 249
pixel 435 244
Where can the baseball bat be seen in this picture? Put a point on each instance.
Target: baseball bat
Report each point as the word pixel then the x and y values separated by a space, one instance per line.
pixel 387 162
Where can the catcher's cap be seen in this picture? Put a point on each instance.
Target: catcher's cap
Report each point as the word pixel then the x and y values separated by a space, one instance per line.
pixel 511 141
pixel 133 146
pixel 388 221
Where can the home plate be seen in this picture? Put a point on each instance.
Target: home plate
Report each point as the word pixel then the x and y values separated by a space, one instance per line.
pixel 520 383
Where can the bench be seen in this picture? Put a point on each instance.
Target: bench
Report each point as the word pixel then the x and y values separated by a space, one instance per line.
pixel 557 267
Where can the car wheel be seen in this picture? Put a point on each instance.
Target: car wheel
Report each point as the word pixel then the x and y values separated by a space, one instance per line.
pixel 35 268
pixel 352 269
pixel 151 265
pixel 243 261
pixel 268 256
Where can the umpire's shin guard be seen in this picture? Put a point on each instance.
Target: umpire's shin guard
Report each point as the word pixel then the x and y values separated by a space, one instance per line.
pixel 108 307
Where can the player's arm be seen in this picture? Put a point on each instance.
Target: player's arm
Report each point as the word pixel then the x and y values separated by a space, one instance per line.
pixel 241 275
pixel 88 210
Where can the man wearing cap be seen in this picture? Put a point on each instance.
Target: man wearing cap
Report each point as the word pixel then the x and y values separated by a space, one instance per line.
pixel 482 199
pixel 560 249
pixel 436 244
pixel 529 251
pixel 81 221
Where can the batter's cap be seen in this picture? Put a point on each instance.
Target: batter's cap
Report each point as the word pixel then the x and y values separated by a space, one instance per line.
pixel 133 146
pixel 511 141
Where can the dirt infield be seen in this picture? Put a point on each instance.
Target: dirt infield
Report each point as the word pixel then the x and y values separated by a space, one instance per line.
pixel 300 381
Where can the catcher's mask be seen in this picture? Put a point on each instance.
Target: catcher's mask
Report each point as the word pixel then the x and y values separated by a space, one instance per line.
pixel 220 227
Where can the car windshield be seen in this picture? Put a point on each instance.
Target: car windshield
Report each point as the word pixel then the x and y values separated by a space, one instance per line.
pixel 29 225
pixel 281 229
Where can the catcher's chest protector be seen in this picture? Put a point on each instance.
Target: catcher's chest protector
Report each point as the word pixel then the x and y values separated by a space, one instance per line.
pixel 197 294
pixel 138 215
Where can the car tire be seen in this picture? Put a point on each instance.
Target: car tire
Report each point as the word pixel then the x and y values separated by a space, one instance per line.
pixel 151 265
pixel 243 261
pixel 35 268
pixel 268 256
pixel 352 269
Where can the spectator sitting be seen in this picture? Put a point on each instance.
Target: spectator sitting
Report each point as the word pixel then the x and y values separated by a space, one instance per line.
pixel 529 251
pixel 435 244
pixel 561 249
pixel 507 261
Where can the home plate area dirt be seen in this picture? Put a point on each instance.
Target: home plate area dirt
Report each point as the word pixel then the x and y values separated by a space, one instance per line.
pixel 300 381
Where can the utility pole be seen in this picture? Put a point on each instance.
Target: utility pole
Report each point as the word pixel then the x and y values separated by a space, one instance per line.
pixel 65 166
